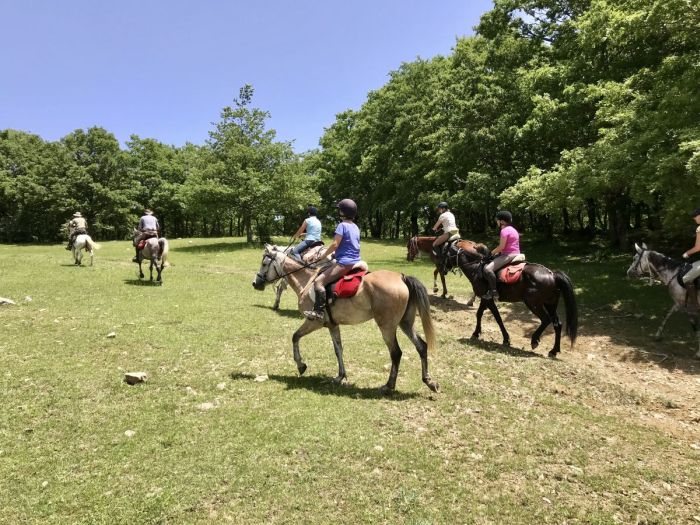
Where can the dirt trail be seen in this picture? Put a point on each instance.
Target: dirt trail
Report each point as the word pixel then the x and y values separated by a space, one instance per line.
pixel 666 384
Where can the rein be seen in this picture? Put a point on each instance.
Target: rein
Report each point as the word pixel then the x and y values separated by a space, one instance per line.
pixel 282 275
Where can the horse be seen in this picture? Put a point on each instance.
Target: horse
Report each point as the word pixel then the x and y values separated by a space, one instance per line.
pixel 309 256
pixel 391 299
pixel 83 242
pixel 155 249
pixel 655 265
pixel 539 288
pixel 425 244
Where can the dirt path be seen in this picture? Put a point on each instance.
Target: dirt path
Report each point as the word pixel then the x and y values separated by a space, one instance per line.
pixel 665 385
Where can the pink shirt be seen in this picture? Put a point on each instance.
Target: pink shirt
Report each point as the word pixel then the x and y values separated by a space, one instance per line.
pixel 512 238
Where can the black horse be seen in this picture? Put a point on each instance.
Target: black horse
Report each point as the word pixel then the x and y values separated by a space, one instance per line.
pixel 539 288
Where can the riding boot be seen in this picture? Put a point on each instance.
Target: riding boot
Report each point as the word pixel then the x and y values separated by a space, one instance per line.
pixel 318 312
pixel 493 291
pixel 136 257
pixel 691 298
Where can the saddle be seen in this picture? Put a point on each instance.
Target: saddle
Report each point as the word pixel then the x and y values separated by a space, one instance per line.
pixel 312 245
pixel 348 285
pixel 513 272
pixel 142 244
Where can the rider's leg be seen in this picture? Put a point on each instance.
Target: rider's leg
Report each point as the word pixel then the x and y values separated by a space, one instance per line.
pixel 490 273
pixel 137 239
pixel 691 290
pixel 437 243
pixel 71 240
pixel 334 273
pixel 296 251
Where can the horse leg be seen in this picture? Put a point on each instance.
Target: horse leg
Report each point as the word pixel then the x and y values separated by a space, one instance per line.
pixel 693 317
pixel 435 286
pixel 141 276
pixel 556 323
pixel 91 257
pixel 422 347
pixel 304 329
pixel 150 268
pixel 471 300
pixel 279 288
pixel 660 331
pixel 338 347
pixel 491 304
pixel 392 344
pixel 444 286
pixel 541 312
pixel 479 315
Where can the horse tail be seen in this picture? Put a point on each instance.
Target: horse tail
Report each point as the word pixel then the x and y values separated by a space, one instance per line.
pixel 566 287
pixel 92 245
pixel 163 243
pixel 418 297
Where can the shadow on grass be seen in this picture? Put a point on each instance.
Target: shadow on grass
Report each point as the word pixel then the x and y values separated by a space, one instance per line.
pixel 448 304
pixel 142 282
pixel 326 387
pixel 216 247
pixel 489 346
pixel 285 312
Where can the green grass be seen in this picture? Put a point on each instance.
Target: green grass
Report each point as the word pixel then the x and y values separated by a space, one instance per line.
pixel 504 442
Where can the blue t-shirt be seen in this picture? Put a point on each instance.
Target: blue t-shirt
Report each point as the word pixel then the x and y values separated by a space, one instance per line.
pixel 313 229
pixel 348 252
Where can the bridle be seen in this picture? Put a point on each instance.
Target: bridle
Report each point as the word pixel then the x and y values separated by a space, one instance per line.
pixel 651 270
pixel 279 275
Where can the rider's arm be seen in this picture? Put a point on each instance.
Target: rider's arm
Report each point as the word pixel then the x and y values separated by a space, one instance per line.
pixel 301 230
pixel 694 249
pixel 332 246
pixel 500 247
pixel 437 224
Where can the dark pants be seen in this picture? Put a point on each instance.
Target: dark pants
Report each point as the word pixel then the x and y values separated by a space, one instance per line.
pixel 491 268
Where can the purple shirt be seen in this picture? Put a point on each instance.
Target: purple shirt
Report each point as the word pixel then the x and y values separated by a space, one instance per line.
pixel 348 251
pixel 512 238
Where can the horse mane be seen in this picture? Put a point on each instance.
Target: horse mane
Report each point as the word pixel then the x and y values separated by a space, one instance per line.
pixel 660 259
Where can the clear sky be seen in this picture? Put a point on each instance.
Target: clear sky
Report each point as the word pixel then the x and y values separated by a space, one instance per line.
pixel 163 69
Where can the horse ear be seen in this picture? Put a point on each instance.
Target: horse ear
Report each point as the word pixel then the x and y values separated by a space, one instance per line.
pixel 636 247
pixel 644 246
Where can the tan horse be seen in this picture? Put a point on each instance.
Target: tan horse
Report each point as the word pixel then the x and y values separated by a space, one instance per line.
pixel 390 298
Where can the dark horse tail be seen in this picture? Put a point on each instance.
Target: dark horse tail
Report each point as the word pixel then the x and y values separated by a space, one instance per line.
pixel 418 297
pixel 566 287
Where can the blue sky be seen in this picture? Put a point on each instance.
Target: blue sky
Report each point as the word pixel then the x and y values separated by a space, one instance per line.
pixel 164 69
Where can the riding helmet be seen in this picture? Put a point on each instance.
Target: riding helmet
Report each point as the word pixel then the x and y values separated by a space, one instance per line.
pixel 347 208
pixel 148 212
pixel 443 205
pixel 695 212
pixel 504 215
pixel 312 210
pixel 77 214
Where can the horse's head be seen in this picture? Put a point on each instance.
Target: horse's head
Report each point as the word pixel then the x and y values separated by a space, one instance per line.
pixel 640 264
pixel 270 267
pixel 412 248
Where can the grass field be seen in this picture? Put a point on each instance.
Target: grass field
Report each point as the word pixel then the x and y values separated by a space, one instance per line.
pixel 512 438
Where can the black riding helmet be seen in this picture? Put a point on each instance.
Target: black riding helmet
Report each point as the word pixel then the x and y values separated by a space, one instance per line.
pixel 347 208
pixel 443 205
pixel 504 215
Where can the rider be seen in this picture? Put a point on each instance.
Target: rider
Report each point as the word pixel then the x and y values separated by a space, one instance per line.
pixel 504 253
pixel 447 221
pixel 346 245
pixel 76 226
pixel 694 273
pixel 148 227
pixel 312 227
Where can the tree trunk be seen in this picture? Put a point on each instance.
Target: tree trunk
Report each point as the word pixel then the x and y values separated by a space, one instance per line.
pixel 414 224
pixel 566 219
pixel 592 213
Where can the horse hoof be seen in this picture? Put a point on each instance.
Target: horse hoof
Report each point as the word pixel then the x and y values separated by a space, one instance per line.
pixel 338 379
pixel 302 369
pixel 506 342
pixel 435 290
pixel 432 385
pixel 385 390
pixel 475 336
pixel 534 343
pixel 552 354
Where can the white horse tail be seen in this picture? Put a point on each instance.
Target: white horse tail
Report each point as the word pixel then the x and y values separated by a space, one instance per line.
pixel 92 245
pixel 163 243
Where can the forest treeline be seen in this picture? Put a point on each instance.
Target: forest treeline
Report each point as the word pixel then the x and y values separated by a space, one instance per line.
pixel 580 116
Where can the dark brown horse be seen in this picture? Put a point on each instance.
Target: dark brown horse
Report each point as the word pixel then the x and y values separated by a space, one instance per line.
pixel 425 245
pixel 539 288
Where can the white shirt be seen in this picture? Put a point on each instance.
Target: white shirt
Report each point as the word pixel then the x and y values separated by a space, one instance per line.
pixel 448 221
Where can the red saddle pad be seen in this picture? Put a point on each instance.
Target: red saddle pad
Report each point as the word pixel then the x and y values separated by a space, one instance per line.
pixel 348 285
pixel 511 274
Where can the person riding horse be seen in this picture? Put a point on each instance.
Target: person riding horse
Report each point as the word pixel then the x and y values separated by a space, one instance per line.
pixel 504 253
pixel 148 227
pixel 694 273
pixel 76 226
pixel 346 245
pixel 312 227
pixel 447 221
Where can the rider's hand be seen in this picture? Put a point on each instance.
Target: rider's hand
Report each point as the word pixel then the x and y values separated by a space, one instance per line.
pixel 685 255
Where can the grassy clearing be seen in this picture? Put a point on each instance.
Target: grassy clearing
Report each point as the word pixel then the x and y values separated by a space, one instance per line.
pixel 513 437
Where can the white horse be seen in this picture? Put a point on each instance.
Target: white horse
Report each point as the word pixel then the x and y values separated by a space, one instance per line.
pixel 309 256
pixel 655 265
pixel 155 250
pixel 83 242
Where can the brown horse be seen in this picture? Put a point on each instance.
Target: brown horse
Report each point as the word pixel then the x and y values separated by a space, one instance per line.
pixel 539 288
pixel 390 298
pixel 425 245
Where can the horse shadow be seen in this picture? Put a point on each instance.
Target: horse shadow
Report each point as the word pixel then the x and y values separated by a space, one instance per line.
pixel 142 282
pixel 325 386
pixel 284 312
pixel 490 346
pixel 449 304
